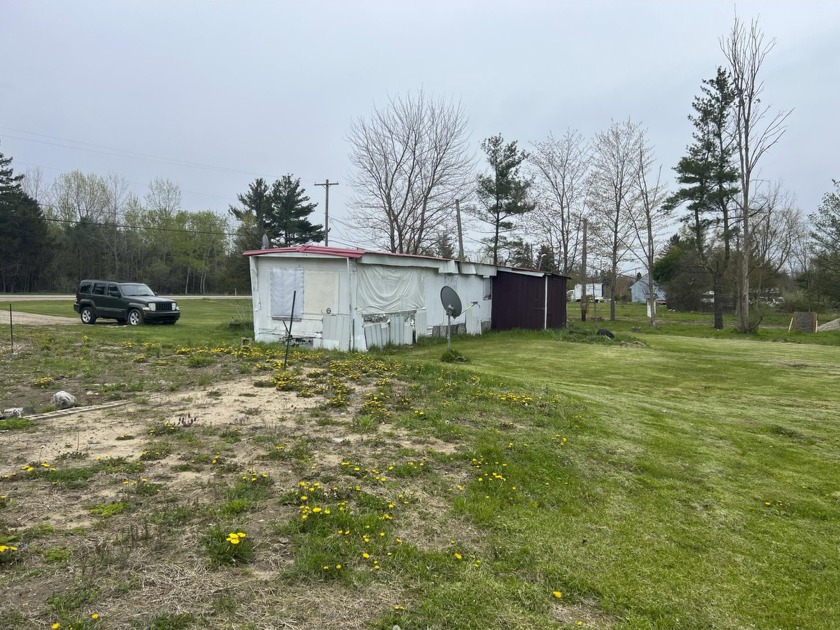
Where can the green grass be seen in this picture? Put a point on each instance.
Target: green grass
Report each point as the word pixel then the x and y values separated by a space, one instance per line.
pixel 674 477
pixel 698 486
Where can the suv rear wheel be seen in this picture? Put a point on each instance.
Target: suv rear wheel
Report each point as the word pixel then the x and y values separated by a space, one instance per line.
pixel 87 315
pixel 135 317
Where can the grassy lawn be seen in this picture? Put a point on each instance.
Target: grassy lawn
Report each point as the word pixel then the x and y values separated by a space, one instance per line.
pixel 702 476
pixel 675 477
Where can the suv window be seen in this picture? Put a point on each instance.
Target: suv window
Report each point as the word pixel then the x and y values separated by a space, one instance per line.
pixel 113 291
pixel 84 287
pixel 99 289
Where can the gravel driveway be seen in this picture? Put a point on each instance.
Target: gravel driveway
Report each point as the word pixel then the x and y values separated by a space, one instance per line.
pixel 35 320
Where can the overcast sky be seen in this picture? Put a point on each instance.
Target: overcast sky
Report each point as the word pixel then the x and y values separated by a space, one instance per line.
pixel 213 94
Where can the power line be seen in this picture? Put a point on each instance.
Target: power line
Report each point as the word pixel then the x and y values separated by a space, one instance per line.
pixel 67 143
pixel 128 181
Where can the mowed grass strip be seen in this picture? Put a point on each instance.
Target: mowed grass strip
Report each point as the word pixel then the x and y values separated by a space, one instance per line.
pixel 700 487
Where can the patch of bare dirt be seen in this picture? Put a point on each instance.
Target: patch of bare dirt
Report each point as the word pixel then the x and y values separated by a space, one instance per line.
pixel 31 319
pixel 144 567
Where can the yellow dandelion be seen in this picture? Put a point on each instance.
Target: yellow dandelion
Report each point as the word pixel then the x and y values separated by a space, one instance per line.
pixel 95 616
pixel 458 556
pixel 557 594
pixel 365 555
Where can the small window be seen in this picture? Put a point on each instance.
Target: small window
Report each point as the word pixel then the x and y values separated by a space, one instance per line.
pixel 84 287
pixel 99 289
pixel 113 291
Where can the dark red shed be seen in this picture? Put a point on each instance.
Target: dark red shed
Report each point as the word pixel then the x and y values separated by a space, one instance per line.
pixel 533 300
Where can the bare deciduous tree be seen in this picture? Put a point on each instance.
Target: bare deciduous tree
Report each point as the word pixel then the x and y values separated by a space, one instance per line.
pixel 163 200
pixel 411 161
pixel 80 197
pixel 776 228
pixel 34 186
pixel 755 131
pixel 113 237
pixel 560 168
pixel 648 216
pixel 164 196
pixel 613 193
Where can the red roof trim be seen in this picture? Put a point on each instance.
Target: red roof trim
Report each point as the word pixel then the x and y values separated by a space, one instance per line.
pixel 309 249
pixel 333 251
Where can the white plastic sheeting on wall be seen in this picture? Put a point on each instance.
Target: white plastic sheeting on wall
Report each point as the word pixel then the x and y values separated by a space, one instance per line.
pixel 286 286
pixel 389 289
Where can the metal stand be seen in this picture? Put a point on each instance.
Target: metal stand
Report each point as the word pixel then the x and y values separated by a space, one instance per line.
pixel 289 330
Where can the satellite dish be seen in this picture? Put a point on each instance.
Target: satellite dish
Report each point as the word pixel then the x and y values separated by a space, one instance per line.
pixel 452 305
pixel 451 302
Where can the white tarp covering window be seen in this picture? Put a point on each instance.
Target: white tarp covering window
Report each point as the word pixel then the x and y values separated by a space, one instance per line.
pixel 390 289
pixel 284 283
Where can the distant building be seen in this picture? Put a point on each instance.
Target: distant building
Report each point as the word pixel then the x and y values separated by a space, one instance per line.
pixel 640 290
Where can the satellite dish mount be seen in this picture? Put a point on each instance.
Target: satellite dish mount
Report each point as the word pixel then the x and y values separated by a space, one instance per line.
pixel 452 305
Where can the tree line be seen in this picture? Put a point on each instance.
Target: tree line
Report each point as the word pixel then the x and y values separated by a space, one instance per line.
pixel 717 236
pixel 88 226
pixel 584 207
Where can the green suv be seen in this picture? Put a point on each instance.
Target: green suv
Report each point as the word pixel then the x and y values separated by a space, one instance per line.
pixel 127 302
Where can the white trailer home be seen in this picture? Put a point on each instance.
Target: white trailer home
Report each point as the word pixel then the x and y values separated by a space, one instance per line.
pixel 351 299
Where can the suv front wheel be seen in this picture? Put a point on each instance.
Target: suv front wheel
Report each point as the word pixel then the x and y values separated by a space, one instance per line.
pixel 87 315
pixel 135 317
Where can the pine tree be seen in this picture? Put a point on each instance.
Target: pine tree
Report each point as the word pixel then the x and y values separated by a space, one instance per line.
pixel 254 213
pixel 24 240
pixel 504 193
pixel 288 219
pixel 708 176
pixel 9 182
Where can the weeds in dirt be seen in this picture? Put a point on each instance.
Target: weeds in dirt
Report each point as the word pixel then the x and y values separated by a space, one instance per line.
pixel 228 546
pixel 397 490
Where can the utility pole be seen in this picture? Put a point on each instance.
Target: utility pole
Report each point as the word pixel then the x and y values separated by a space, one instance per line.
pixel 326 186
pixel 583 304
pixel 460 233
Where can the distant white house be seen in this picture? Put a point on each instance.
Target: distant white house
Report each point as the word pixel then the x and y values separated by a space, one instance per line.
pixel 640 291
pixel 350 299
